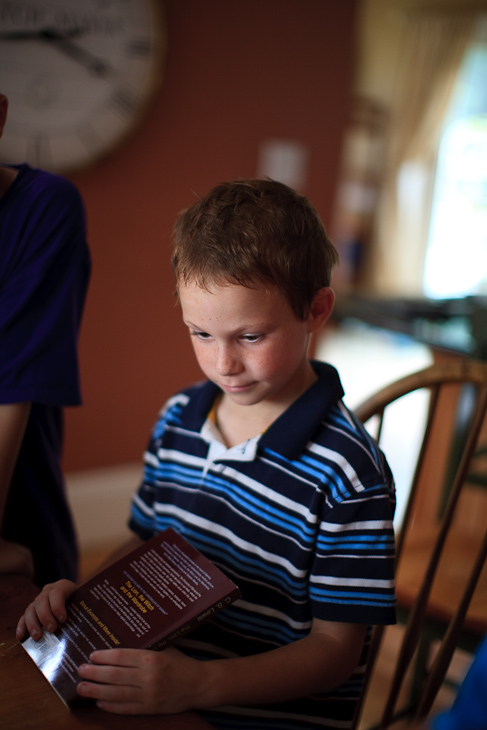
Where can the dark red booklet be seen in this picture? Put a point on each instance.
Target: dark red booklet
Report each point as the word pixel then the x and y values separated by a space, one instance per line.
pixel 148 599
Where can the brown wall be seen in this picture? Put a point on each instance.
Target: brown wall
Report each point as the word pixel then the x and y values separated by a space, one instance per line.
pixel 236 74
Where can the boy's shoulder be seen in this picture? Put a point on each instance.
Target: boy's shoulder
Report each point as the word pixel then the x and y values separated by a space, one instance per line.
pixel 322 438
pixel 346 461
pixel 361 465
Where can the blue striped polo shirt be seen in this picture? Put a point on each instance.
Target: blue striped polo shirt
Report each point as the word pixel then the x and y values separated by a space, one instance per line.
pixel 300 517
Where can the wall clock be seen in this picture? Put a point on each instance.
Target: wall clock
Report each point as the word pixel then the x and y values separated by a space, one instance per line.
pixel 79 76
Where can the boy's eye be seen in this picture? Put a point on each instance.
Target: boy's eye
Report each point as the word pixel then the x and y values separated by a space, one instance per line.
pixel 252 338
pixel 200 335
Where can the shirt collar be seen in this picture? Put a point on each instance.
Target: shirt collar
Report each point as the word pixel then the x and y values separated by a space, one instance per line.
pixel 289 433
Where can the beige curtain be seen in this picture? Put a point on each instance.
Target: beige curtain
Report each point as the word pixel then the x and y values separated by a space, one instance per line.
pixel 434 48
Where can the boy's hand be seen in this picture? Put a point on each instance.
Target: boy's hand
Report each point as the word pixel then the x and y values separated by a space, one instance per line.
pixel 47 610
pixel 134 681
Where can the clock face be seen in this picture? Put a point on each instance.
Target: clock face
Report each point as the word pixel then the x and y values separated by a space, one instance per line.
pixel 78 74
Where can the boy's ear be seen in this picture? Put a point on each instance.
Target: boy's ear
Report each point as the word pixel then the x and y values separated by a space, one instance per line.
pixel 321 308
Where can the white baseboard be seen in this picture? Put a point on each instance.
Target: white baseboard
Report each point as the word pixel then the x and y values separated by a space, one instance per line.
pixel 100 502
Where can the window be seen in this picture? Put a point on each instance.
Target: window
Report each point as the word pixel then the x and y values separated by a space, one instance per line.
pixel 456 255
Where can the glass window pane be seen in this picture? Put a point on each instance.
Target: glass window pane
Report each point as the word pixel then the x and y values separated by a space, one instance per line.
pixel 456 259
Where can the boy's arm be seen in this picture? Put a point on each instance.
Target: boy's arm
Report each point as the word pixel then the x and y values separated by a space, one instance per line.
pixel 324 659
pixel 131 681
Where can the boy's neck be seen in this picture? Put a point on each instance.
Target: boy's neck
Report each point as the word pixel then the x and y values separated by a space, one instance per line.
pixel 239 423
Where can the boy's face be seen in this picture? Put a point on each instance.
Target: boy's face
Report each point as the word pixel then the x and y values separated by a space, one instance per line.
pixel 249 342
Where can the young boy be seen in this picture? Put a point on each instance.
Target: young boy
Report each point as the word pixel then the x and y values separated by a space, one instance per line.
pixel 263 469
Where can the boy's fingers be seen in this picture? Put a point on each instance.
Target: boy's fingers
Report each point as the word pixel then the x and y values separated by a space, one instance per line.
pixel 41 613
pixel 47 610
pixel 31 622
pixel 20 630
pixel 57 605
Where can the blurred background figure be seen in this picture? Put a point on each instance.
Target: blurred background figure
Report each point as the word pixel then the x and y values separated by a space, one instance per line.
pixel 469 711
pixel 44 273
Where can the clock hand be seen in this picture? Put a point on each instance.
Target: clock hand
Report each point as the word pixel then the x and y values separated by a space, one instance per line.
pixel 34 35
pixel 86 59
pixel 61 40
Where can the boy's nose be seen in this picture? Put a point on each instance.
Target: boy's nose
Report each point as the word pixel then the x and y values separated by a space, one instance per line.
pixel 227 363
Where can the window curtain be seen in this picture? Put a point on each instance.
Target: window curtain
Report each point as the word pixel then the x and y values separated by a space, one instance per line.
pixel 434 46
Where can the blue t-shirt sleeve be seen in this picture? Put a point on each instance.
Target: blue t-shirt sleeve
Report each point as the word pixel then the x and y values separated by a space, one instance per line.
pixel 469 711
pixel 44 273
pixel 352 577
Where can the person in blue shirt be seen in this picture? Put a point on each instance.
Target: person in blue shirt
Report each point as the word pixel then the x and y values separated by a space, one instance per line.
pixel 469 710
pixel 263 468
pixel 44 274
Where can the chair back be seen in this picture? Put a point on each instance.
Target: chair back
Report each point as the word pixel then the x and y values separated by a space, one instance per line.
pixel 456 430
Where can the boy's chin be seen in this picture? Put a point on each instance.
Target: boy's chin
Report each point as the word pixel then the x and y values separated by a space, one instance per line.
pixel 243 398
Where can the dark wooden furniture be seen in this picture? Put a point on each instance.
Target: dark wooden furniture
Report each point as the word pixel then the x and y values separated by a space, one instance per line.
pixel 441 564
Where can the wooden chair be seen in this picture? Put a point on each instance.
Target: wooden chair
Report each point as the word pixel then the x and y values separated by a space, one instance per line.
pixel 439 563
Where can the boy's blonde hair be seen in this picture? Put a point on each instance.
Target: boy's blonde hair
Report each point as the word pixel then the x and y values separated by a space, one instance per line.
pixel 251 231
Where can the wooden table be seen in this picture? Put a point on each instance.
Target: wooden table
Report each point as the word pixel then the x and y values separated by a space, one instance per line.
pixel 28 701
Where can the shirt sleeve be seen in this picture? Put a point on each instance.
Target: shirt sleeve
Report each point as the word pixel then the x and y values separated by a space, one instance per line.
pixel 142 513
pixel 469 710
pixel 42 294
pixel 352 577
